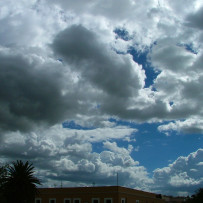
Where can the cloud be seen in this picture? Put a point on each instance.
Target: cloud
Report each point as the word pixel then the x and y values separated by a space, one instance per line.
pixel 195 19
pixel 31 95
pixel 98 64
pixel 187 6
pixel 187 126
pixel 173 58
pixel 59 154
pixel 101 77
pixel 182 175
pixel 60 61
pixel 178 83
pixel 57 139
pixel 28 24
pixel 122 11
pixel 113 147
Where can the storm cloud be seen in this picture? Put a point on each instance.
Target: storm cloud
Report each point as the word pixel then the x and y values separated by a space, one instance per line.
pixel 31 95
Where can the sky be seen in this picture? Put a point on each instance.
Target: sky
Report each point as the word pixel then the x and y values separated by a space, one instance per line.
pixel 94 89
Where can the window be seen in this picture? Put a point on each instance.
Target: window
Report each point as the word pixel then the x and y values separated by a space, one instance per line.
pixel 95 200
pixel 52 200
pixel 76 200
pixel 108 200
pixel 38 200
pixel 66 200
pixel 122 200
pixel 137 201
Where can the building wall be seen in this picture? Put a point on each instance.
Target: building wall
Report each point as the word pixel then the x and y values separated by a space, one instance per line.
pixel 132 196
pixel 85 194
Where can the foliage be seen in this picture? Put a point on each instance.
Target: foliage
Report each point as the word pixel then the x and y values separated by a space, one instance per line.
pixel 20 183
pixel 197 197
pixel 3 173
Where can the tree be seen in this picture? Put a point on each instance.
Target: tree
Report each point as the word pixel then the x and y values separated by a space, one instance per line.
pixel 20 183
pixel 197 197
pixel 3 173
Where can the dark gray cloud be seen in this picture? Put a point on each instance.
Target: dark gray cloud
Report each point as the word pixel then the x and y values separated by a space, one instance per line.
pixel 196 19
pixel 100 66
pixel 30 95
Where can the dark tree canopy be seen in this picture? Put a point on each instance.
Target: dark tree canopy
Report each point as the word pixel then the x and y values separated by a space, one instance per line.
pixel 3 173
pixel 197 197
pixel 20 183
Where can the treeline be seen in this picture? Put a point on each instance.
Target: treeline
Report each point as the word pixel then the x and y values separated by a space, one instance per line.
pixel 196 198
pixel 18 183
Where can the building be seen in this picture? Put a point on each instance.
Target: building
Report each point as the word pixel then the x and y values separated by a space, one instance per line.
pixel 170 199
pixel 106 194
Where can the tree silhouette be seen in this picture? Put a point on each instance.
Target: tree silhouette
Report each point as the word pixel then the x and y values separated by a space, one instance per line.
pixel 3 173
pixel 197 197
pixel 20 183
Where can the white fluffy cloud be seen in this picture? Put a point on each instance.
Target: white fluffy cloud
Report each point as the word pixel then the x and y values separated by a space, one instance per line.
pixel 187 126
pixel 62 153
pixel 184 174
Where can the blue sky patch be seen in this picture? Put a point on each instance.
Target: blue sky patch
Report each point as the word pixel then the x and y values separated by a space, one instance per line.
pixel 122 34
pixel 73 125
pixel 141 58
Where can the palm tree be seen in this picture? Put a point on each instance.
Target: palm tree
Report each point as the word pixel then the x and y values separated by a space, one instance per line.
pixel 20 185
pixel 3 173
